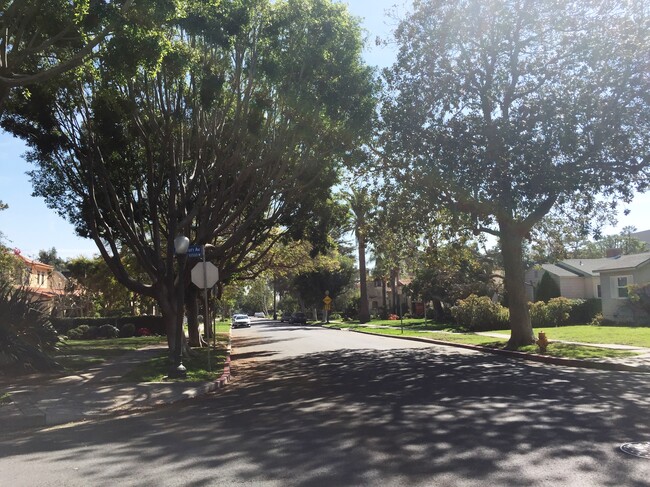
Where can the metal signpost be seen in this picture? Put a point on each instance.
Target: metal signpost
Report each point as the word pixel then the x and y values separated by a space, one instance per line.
pixel 205 275
pixel 328 304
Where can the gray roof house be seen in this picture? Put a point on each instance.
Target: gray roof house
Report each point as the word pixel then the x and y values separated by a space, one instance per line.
pixel 576 278
pixel 615 276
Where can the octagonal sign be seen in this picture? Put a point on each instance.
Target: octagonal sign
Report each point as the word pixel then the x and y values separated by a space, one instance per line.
pixel 199 275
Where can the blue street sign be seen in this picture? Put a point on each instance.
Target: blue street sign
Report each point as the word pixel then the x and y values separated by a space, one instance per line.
pixel 195 251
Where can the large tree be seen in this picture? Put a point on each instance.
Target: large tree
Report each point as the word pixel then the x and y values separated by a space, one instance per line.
pixel 505 109
pixel 218 134
pixel 42 39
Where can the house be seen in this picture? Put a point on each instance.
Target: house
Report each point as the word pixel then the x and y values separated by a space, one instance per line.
pixel 42 281
pixel 615 277
pixel 375 295
pixel 576 278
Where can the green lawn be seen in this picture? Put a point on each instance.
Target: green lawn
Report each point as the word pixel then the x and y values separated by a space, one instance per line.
pixel 554 349
pixel 619 335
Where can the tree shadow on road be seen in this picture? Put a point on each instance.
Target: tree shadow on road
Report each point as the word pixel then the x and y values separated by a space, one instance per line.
pixel 411 417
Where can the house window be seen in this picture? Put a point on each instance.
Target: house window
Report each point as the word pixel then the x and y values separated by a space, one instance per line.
pixel 619 286
pixel 599 293
pixel 377 282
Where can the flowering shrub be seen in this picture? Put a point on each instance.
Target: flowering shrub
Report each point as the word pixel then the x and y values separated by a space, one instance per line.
pixel 143 332
pixel 393 317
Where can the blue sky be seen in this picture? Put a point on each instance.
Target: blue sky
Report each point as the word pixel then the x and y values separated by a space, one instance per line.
pixel 30 226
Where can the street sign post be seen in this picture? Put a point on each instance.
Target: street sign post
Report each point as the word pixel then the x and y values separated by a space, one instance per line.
pixel 327 301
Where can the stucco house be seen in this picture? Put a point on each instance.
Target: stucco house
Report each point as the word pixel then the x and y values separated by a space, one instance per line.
pixel 42 281
pixel 615 277
pixel 576 278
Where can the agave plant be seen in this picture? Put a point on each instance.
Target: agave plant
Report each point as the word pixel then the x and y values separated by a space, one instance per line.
pixel 26 334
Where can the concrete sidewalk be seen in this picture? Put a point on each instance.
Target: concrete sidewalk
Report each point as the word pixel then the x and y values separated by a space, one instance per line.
pixel 38 402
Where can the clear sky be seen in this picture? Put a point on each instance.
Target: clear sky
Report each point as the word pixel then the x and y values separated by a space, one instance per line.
pixel 30 226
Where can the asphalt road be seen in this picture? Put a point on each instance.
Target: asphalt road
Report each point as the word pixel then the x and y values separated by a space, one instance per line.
pixel 311 407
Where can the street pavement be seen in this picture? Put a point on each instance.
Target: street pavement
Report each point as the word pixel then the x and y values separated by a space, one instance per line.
pixel 309 407
pixel 100 392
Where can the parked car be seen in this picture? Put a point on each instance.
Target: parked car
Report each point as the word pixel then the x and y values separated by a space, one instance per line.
pixel 241 321
pixel 259 314
pixel 286 316
pixel 298 318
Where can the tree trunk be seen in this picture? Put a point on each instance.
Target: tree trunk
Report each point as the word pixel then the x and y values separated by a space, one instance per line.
pixel 511 239
pixel 364 312
pixel 384 299
pixel 192 310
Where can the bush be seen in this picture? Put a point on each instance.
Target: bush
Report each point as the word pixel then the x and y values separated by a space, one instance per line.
pixel 480 314
pixel 393 317
pixel 108 331
pixel 127 330
pixel 554 313
pixel 547 288
pixel 143 332
pixel 26 333
pixel 78 333
pixel 153 323
pixel 585 310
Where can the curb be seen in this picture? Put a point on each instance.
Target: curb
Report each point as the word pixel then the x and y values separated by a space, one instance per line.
pixel 532 357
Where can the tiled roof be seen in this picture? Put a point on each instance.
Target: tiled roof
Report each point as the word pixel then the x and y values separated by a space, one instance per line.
pixel 586 266
pixel 558 271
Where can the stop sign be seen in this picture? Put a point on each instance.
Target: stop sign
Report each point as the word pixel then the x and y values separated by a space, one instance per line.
pixel 199 276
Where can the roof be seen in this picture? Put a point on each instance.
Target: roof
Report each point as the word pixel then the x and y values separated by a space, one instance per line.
pixel 586 266
pixel 558 271
pixel 644 236
pixel 626 262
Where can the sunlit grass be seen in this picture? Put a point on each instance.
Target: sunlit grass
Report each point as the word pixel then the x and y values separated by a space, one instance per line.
pixel 199 367
pixel 554 349
pixel 618 335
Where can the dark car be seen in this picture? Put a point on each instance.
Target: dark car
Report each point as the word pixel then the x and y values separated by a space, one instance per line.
pixel 298 318
pixel 286 316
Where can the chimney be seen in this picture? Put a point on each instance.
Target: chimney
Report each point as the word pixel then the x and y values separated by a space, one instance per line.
pixel 614 253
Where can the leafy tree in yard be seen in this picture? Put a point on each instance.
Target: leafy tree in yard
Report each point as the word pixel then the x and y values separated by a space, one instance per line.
pixel 505 109
pixel 218 133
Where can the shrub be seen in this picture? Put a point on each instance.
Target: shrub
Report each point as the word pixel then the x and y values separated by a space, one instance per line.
pixel 547 288
pixel 143 332
pixel 585 310
pixel 554 313
pixel 108 331
pixel 26 334
pixel 393 317
pixel 127 330
pixel 480 314
pixel 78 333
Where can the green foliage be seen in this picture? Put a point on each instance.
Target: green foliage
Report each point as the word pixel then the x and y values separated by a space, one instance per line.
pixel 554 313
pixel 547 288
pixel 127 330
pixel 585 310
pixel 26 334
pixel 479 313
pixel 78 333
pixel 639 301
pixel 108 331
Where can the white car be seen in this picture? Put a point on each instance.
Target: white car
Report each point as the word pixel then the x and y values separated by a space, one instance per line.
pixel 259 314
pixel 241 321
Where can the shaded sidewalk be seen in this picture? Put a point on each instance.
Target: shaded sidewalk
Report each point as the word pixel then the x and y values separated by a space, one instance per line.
pixel 98 392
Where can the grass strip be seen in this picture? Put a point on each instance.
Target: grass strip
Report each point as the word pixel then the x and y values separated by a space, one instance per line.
pixel 198 369
pixel 562 350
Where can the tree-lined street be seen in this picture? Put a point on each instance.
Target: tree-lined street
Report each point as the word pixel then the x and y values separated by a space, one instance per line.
pixel 310 406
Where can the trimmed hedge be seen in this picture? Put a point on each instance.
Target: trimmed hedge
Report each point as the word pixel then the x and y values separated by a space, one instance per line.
pixel 153 323
pixel 479 313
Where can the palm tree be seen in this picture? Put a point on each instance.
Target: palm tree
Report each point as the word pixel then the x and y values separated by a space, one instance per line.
pixel 360 203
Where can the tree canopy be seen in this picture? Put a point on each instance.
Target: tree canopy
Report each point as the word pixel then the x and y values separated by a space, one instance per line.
pixel 504 109
pixel 229 126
